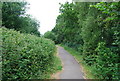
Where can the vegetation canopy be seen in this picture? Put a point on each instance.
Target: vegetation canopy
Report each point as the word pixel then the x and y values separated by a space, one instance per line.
pixel 93 29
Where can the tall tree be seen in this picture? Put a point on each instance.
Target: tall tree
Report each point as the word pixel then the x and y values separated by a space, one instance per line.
pixel 66 25
pixel 14 17
pixel 29 25
pixel 11 14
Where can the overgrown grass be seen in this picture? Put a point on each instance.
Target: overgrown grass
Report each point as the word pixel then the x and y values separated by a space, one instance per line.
pixel 86 69
pixel 57 66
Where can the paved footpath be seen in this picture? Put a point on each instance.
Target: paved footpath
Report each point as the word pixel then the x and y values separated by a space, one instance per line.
pixel 71 68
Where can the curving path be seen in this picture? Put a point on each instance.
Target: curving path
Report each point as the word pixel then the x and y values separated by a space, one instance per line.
pixel 71 68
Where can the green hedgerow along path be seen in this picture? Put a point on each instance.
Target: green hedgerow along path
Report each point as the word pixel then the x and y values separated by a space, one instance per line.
pixel 26 56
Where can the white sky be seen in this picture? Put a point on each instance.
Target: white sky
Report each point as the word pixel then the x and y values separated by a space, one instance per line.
pixel 45 11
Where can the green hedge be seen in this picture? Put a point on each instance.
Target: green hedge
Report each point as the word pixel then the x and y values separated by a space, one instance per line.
pixel 25 56
pixel 107 62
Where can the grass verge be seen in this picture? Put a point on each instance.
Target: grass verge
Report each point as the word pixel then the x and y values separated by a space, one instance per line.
pixel 86 69
pixel 57 67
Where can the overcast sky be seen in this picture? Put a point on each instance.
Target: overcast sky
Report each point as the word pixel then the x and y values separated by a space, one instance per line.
pixel 46 11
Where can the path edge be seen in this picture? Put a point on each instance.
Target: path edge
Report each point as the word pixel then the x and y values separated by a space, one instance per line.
pixel 57 74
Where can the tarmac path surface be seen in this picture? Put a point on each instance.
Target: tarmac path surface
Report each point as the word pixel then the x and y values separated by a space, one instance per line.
pixel 71 68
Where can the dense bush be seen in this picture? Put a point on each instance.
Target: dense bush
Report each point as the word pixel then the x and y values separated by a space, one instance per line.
pixel 25 56
pixel 50 35
pixel 106 65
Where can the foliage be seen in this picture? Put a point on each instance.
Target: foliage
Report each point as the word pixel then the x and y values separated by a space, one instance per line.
pixel 84 26
pixel 26 56
pixel 106 63
pixel 29 25
pixel 108 54
pixel 50 35
pixel 11 12
pixel 14 17
pixel 109 8
pixel 0 13
pixel 66 26
pixel 113 12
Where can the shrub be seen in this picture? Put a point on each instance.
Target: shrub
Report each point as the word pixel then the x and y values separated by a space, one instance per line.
pixel 106 63
pixel 25 56
pixel 50 35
